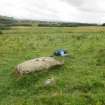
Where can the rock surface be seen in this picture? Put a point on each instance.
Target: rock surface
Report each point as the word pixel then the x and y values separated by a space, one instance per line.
pixel 37 64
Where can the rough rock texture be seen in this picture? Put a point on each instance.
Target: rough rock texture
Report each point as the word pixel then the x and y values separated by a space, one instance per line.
pixel 37 64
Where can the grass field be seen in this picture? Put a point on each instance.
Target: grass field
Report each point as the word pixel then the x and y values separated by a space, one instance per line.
pixel 81 81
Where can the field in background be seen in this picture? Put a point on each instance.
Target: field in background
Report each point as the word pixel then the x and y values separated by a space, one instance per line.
pixel 81 81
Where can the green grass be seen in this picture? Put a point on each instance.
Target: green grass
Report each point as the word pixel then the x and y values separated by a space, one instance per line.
pixel 81 81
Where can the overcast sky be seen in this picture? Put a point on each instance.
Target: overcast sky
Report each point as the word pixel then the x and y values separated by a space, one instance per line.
pixel 92 11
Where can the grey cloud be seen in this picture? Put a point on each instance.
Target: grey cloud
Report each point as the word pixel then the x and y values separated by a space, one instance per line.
pixel 88 5
pixel 75 2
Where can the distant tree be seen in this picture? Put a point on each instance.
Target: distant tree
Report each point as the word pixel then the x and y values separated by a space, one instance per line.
pixel 103 24
pixel 6 22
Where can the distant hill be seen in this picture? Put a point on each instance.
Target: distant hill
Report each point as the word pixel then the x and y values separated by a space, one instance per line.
pixel 63 24
pixel 7 22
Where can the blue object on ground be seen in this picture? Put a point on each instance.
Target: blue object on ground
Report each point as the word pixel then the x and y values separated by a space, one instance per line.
pixel 61 52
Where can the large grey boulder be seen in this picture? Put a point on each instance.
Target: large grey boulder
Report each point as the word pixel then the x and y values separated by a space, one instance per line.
pixel 37 64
